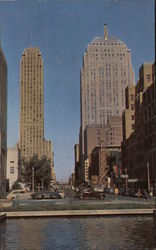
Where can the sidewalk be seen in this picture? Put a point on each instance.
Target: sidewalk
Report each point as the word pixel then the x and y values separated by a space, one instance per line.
pixel 73 213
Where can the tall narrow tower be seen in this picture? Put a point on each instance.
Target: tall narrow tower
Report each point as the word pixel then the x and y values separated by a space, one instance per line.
pixel 31 141
pixel 106 72
pixel 3 119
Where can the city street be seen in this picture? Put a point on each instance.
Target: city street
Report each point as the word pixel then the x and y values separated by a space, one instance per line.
pixel 109 198
pixel 111 201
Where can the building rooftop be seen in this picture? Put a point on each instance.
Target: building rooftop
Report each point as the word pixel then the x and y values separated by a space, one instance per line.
pixel 106 40
pixel 109 41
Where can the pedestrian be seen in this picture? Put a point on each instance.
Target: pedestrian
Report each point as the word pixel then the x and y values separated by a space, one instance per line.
pixel 145 194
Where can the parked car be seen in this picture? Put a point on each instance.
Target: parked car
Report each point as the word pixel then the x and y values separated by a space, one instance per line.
pixel 61 193
pixel 18 194
pixel 138 194
pixel 109 190
pixel 46 195
pixel 92 194
pixel 99 189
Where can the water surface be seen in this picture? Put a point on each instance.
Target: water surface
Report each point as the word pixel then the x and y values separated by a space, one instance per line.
pixel 99 233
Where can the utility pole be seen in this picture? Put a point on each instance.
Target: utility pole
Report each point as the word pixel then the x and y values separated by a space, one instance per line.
pixel 33 179
pixel 42 183
pixel 126 180
pixel 148 176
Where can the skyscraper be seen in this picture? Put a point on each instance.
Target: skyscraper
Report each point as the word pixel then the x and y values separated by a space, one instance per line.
pixel 31 141
pixel 106 72
pixel 3 119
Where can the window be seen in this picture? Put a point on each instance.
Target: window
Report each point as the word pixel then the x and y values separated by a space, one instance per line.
pixel 11 170
pixel 132 97
pixel 132 107
pixel 148 78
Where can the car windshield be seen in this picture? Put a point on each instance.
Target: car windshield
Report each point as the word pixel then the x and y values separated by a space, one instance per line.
pixel 18 192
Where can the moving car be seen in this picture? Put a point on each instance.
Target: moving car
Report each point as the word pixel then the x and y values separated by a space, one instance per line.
pixel 46 195
pixel 90 193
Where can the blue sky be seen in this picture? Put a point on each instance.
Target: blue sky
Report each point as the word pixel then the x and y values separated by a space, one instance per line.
pixel 62 29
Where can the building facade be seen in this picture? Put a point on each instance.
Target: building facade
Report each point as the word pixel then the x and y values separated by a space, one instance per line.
pixel 139 149
pixel 128 116
pixel 108 136
pixel 3 120
pixel 13 158
pixel 77 164
pixel 98 166
pixel 106 72
pixel 31 141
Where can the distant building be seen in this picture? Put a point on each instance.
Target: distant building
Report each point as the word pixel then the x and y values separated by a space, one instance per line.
pixel 3 120
pixel 106 72
pixel 95 136
pixel 77 164
pixel 31 141
pixel 98 165
pixel 102 160
pixel 13 158
pixel 72 180
pixel 128 117
pixel 138 147
pixel 87 170
pixel 110 134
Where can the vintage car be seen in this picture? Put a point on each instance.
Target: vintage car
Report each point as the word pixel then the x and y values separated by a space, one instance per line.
pixel 46 195
pixel 19 194
pixel 91 193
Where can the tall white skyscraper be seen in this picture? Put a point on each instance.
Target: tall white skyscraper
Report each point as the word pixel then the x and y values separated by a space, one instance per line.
pixel 106 72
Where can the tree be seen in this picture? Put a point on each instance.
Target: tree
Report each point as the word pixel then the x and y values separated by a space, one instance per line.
pixel 16 185
pixel 42 171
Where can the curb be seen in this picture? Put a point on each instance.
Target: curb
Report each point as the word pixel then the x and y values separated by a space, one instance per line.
pixel 73 213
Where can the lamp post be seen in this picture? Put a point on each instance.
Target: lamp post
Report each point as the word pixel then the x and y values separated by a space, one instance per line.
pixel 126 180
pixel 42 183
pixel 32 179
pixel 148 177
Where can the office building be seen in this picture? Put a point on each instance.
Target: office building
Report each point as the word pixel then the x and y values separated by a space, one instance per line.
pixel 139 149
pixel 106 72
pixel 31 141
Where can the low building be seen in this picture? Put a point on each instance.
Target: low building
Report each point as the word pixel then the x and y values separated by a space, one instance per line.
pixel 13 157
pixel 98 165
pixel 96 140
pixel 110 134
pixel 103 159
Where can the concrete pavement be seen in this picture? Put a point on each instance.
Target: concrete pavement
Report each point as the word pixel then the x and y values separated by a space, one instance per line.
pixel 73 213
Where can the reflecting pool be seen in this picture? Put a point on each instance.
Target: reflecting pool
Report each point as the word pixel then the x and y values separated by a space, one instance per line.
pixel 79 233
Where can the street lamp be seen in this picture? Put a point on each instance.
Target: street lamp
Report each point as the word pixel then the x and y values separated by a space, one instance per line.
pixel 148 178
pixel 42 183
pixel 33 179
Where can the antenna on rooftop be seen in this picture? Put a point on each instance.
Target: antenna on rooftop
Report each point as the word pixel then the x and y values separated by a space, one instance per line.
pixel 105 32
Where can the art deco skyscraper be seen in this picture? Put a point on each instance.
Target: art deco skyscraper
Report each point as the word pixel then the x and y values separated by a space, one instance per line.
pixel 31 139
pixel 3 119
pixel 106 72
